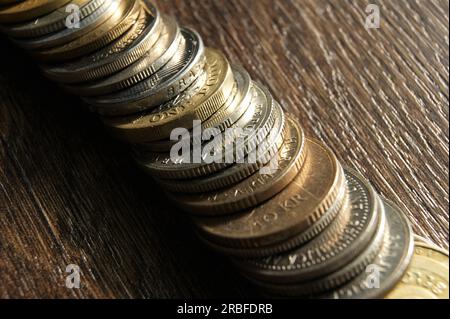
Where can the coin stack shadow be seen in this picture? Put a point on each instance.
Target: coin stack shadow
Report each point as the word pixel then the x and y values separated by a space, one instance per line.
pixel 292 220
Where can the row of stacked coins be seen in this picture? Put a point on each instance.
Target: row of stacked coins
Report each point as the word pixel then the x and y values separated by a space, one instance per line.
pixel 292 220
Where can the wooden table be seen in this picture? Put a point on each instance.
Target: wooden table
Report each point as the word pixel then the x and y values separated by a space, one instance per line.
pixel 69 194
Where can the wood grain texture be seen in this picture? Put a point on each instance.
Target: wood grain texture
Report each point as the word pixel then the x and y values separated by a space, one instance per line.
pixel 69 194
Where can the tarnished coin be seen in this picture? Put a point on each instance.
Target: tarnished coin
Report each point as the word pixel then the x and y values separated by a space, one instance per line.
pixel 177 75
pixel 426 276
pixel 52 22
pixel 266 151
pixel 231 147
pixel 295 209
pixel 334 248
pixel 258 187
pixel 124 17
pixel 161 121
pixel 389 265
pixel 124 51
pixel 97 17
pixel 168 47
pixel 28 10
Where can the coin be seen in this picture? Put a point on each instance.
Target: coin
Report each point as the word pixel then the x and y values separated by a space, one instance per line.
pixel 314 230
pixel 52 22
pixel 334 248
pixel 422 240
pixel 100 15
pixel 179 73
pixel 28 10
pixel 235 144
pixel 236 109
pixel 304 201
pixel 125 15
pixel 160 122
pixel 389 265
pixel 268 149
pixel 426 276
pixel 126 50
pixel 149 66
pixel 341 275
pixel 256 188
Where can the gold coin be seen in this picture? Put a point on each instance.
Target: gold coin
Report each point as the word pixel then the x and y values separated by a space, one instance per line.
pixel 260 120
pixel 28 10
pixel 421 239
pixel 124 16
pixel 308 197
pixel 159 123
pixel 258 187
pixel 235 110
pixel 426 276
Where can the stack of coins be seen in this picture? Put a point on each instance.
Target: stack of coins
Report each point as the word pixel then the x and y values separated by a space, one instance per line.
pixel 279 204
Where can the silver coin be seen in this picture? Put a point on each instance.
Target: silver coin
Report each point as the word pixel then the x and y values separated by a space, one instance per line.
pixel 335 247
pixel 176 76
pixel 149 66
pixel 339 277
pixel 389 265
pixel 91 21
pixel 118 55
pixel 52 22
pixel 261 121
pixel 267 149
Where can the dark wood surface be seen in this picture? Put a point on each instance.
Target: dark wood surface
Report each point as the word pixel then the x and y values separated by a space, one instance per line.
pixel 69 194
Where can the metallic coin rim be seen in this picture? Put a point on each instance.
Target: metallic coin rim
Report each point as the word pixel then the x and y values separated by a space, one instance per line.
pixel 396 273
pixel 148 66
pixel 341 258
pixel 291 243
pixel 125 103
pixel 236 109
pixel 273 236
pixel 193 170
pixel 52 22
pixel 95 39
pixel 438 268
pixel 84 69
pixel 8 15
pixel 340 276
pixel 196 205
pixel 90 22
pixel 203 104
pixel 226 178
